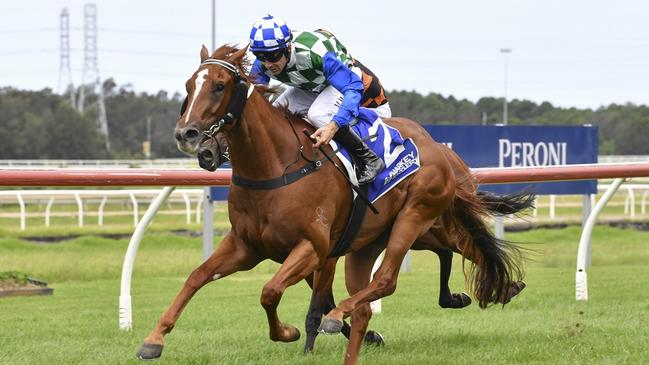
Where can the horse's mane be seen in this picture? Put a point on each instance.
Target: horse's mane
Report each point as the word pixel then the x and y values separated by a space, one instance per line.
pixel 270 92
pixel 226 53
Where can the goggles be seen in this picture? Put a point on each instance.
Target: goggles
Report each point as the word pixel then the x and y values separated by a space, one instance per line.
pixel 272 56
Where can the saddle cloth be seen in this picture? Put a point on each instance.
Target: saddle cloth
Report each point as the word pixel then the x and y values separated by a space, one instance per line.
pixel 401 157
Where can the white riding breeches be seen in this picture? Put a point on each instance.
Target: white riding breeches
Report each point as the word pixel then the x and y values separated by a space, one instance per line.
pixel 319 109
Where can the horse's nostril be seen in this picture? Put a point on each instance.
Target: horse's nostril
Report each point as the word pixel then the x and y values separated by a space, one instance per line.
pixel 191 133
pixel 206 155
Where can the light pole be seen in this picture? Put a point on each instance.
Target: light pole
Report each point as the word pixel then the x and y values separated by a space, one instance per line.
pixel 505 51
pixel 208 204
pixel 213 25
pixel 499 224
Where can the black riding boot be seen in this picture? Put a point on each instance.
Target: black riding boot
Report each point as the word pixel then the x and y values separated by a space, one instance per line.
pixel 369 164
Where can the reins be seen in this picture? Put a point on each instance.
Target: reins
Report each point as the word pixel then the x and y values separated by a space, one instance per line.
pixel 240 94
pixel 354 187
pixel 286 178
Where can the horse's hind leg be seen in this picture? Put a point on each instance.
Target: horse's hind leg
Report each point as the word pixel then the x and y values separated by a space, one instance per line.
pixel 301 262
pixel 231 256
pixel 321 302
pixel 358 268
pixel 408 227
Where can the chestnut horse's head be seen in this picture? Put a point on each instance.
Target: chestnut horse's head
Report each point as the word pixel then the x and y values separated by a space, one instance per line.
pixel 216 95
pixel 213 152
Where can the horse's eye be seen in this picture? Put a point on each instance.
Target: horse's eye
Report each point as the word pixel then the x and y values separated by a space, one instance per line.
pixel 219 88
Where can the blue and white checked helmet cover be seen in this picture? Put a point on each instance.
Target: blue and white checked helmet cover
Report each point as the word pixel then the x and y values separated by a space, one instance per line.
pixel 269 34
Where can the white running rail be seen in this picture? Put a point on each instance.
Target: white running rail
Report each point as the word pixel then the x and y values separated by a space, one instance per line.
pixel 135 196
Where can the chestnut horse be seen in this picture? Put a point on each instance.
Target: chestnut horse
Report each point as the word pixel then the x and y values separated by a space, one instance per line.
pixel 265 149
pixel 214 151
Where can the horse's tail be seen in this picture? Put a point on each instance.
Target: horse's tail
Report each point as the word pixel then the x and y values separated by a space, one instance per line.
pixel 496 263
pixel 507 204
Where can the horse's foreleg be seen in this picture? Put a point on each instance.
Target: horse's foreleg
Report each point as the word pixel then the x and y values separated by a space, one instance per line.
pixel 438 241
pixel 446 298
pixel 445 264
pixel 230 256
pixel 302 261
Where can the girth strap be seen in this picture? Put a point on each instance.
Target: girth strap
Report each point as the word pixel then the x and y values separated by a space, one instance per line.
pixel 277 182
pixel 356 218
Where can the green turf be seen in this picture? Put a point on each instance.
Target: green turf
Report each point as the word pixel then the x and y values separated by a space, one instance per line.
pixel 224 323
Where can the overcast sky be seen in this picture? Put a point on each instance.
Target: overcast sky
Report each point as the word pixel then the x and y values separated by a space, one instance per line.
pixel 570 53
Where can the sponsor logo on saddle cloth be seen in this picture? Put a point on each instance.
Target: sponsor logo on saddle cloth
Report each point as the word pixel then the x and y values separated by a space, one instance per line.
pixel 401 156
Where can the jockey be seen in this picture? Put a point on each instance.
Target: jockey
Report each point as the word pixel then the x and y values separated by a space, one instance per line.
pixel 328 85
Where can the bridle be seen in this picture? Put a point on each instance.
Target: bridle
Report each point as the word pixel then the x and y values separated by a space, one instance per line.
pixel 240 94
pixel 221 154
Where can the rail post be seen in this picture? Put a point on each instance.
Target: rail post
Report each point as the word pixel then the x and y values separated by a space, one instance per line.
pixel 208 218
pixel 125 307
pixel 581 280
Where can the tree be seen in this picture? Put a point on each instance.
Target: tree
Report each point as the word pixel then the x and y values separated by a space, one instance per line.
pixel 41 124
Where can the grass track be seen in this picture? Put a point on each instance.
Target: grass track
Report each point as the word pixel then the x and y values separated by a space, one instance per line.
pixel 224 323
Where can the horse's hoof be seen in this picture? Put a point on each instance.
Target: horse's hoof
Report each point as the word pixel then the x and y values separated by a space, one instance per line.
pixel 465 299
pixel 296 336
pixel 518 287
pixel 455 301
pixel 292 336
pixel 149 351
pixel 373 338
pixel 514 289
pixel 330 325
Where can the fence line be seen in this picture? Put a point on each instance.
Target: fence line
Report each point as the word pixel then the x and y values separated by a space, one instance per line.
pixel 630 201
pixel 80 197
pixel 113 177
pixel 169 178
pixel 196 177
pixel 184 163
pixel 56 196
pixel 187 162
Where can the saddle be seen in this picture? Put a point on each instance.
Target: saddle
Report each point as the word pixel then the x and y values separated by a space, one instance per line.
pixel 401 158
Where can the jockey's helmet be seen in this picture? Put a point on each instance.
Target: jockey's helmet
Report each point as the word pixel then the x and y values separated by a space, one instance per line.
pixel 270 34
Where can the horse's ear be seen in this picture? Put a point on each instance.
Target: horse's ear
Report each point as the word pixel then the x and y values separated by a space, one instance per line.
pixel 205 54
pixel 238 56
